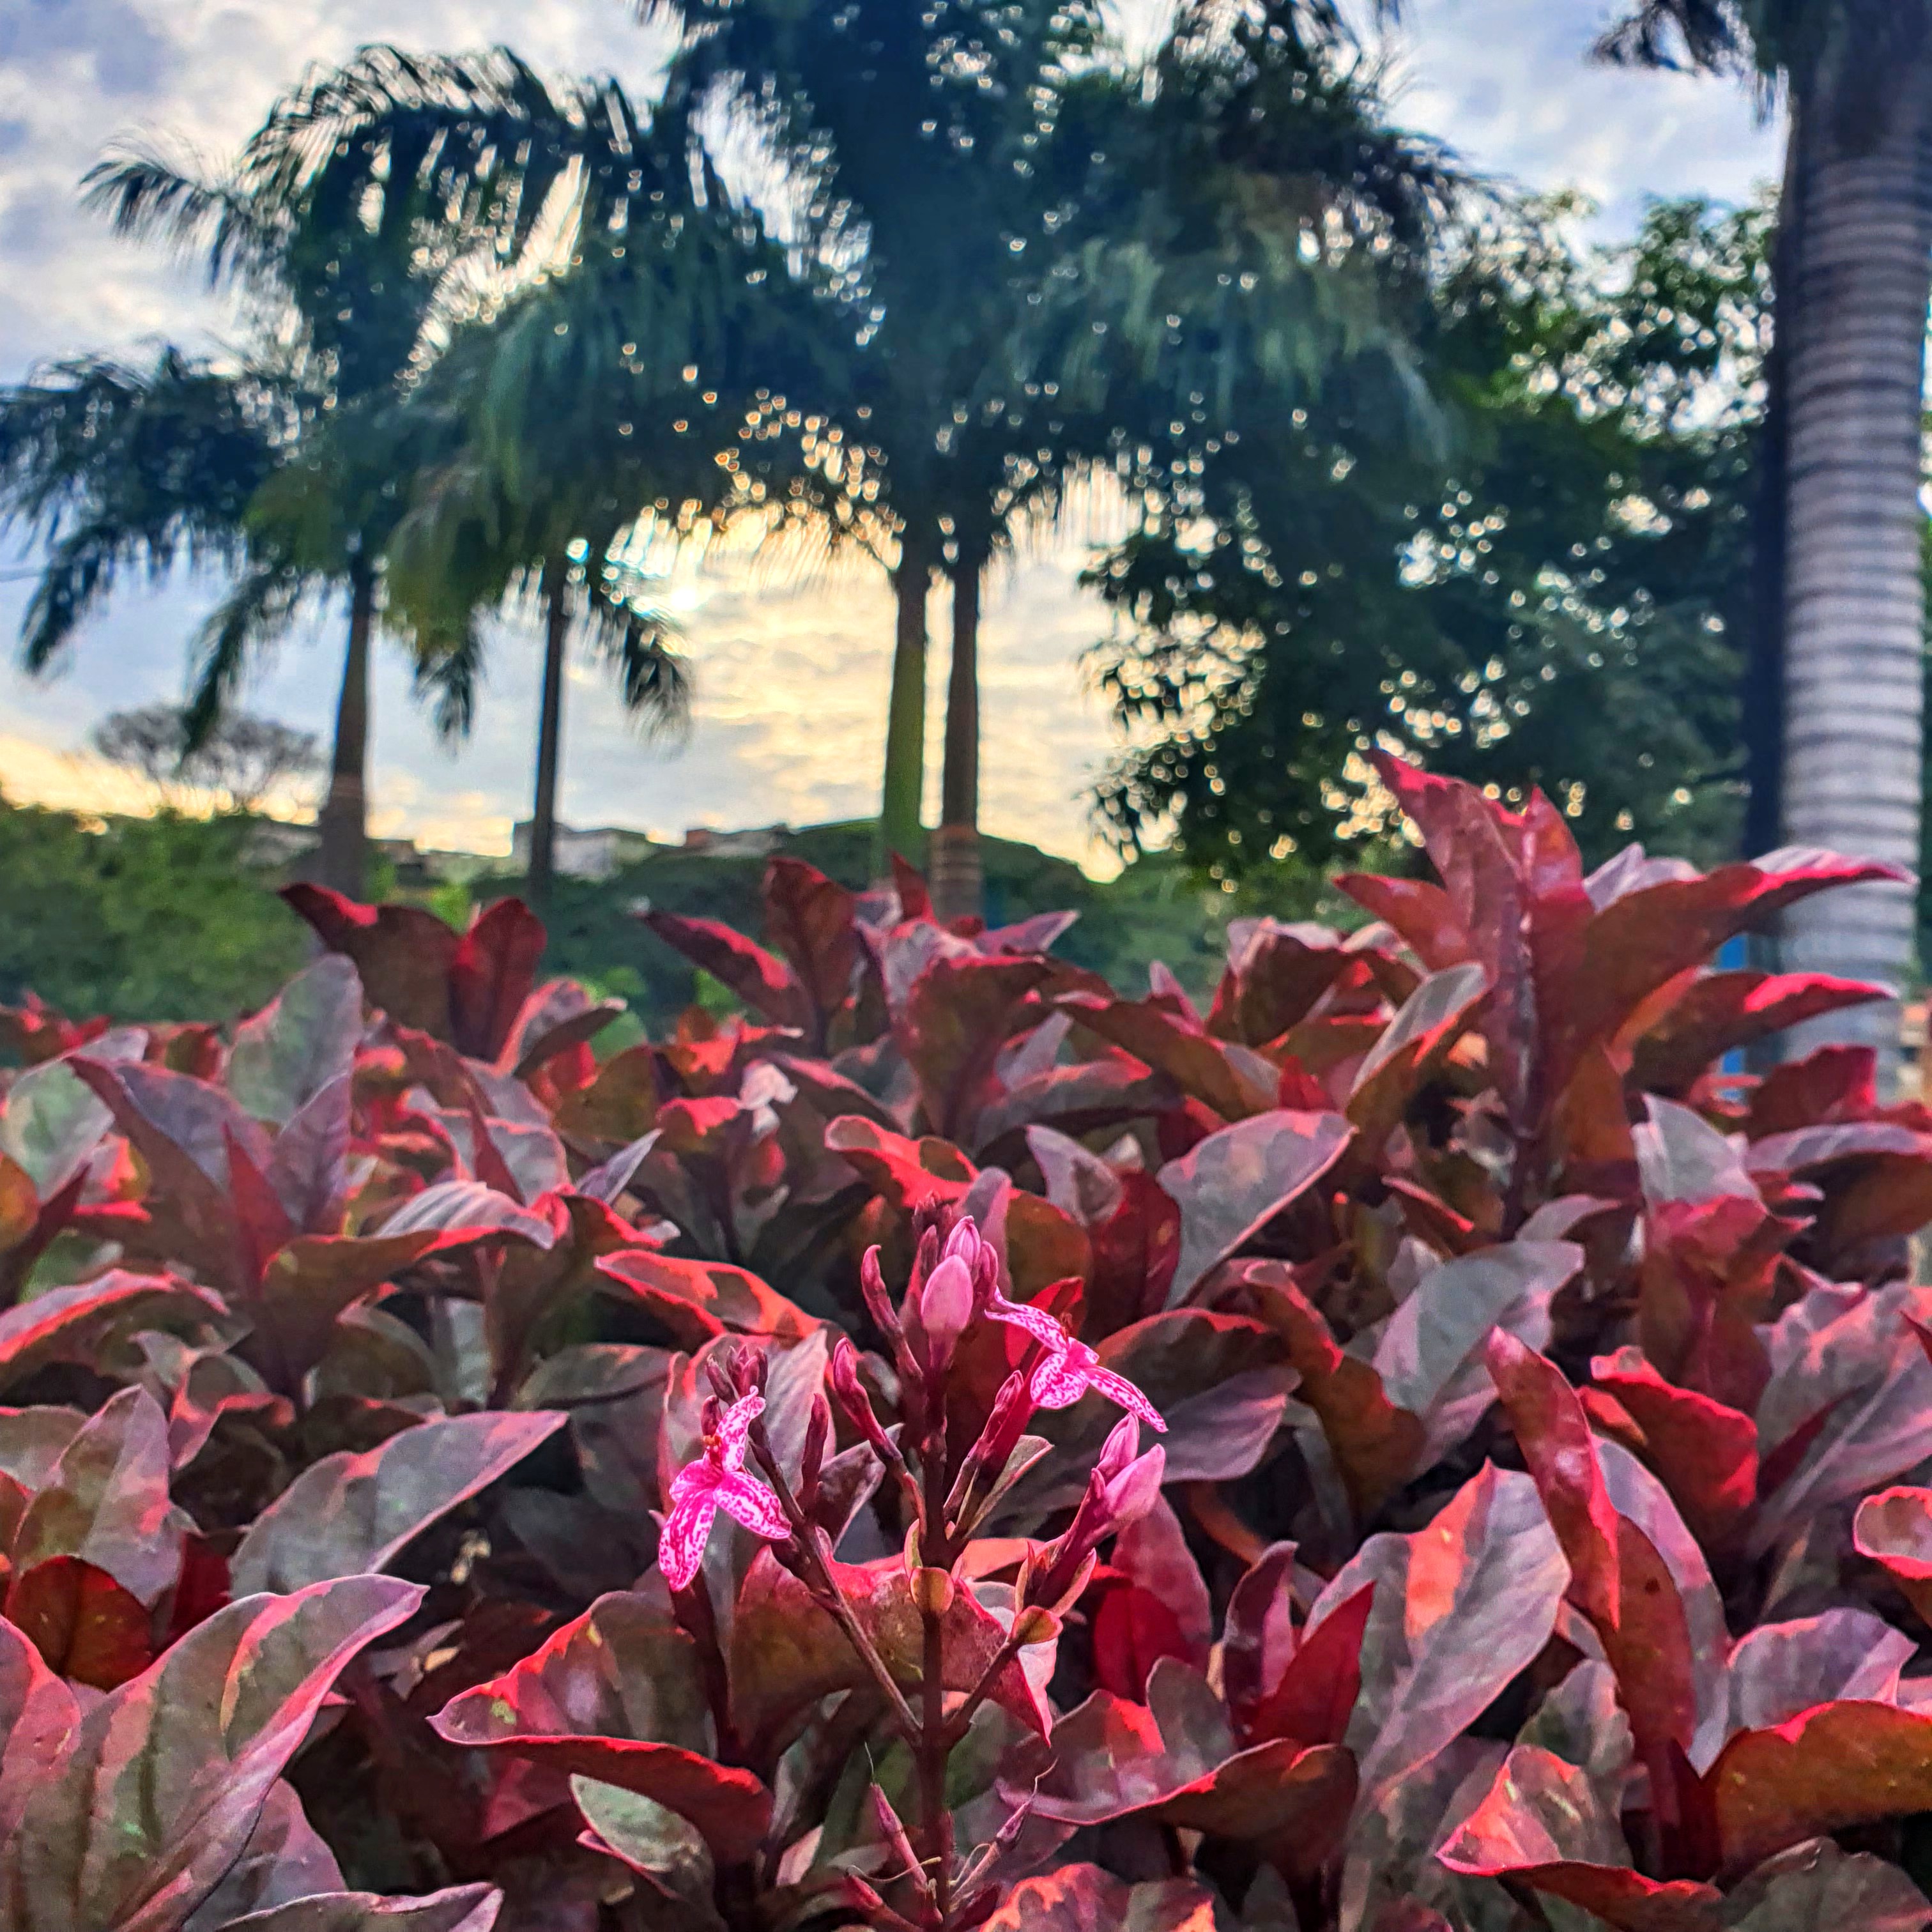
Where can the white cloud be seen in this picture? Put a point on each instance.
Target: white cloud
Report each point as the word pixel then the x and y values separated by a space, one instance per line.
pixel 792 682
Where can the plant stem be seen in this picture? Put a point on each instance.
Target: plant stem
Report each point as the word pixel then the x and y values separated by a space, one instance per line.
pixel 934 1745
pixel 824 1587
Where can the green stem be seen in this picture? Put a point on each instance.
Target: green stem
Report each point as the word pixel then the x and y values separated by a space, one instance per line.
pixel 899 828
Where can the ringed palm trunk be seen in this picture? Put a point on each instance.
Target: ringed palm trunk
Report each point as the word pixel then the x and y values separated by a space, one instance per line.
pixel 1855 600
pixel 899 828
pixel 957 878
pixel 342 824
pixel 550 738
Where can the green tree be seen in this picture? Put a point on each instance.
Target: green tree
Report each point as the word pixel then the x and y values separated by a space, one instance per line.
pixel 1556 604
pixel 1054 246
pixel 1855 277
pixel 287 475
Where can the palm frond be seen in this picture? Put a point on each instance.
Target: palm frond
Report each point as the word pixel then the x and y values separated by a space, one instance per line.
pixel 451 673
pixel 653 681
pixel 148 195
pixel 255 615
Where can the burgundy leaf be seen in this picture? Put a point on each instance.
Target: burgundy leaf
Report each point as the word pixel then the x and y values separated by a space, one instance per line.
pixel 761 981
pixel 106 1501
pixel 463 1908
pixel 160 1784
pixel 1460 1607
pixel 1235 1182
pixel 304 1038
pixel 402 953
pixel 618 1696
pixel 347 1515
pixel 83 1323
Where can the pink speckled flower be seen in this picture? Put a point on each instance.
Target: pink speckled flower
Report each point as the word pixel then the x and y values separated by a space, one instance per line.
pixel 700 1489
pixel 1069 1368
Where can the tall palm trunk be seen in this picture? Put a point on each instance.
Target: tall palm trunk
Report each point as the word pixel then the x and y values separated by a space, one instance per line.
pixel 342 824
pixel 1854 610
pixel 955 875
pixel 1761 710
pixel 904 787
pixel 550 736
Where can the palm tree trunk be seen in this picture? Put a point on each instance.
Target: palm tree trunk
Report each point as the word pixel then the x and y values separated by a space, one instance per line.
pixel 549 736
pixel 1761 710
pixel 342 824
pixel 955 877
pixel 899 828
pixel 1855 600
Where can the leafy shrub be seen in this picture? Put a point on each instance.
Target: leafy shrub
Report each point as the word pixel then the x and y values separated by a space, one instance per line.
pixel 1416 1445
pixel 145 919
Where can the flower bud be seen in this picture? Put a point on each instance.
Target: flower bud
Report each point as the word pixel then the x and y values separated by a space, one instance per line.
pixel 811 1456
pixel 878 1302
pixel 894 1833
pixel 932 1591
pixel 1122 1445
pixel 968 1246
pixel 1035 1625
pixel 1013 1410
pixel 854 1404
pixel 1132 1493
pixel 945 1307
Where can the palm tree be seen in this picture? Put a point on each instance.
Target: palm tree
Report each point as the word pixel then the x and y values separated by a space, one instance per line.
pixel 1855 279
pixel 344 292
pixel 1055 250
pixel 109 468
pixel 590 422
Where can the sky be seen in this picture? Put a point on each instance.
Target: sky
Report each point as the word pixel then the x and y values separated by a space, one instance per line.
pixel 791 679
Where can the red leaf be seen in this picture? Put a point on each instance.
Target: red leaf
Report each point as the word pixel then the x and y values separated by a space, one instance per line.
pixel 402 953
pixel 1152 1553
pixel 1311 1703
pixel 1420 913
pixel 1825 1770
pixel 698 1299
pixel 755 977
pixel 1376 1445
pixel 908 1173
pixel 86 1626
pixel 1706 1453
pixel 106 1501
pixel 618 1696
pixel 1084 1898
pixel 810 919
pixel 1200 1067
pixel 37 1711
pixel 1708 1275
pixel 1461 1607
pixel 1645 938
pixel 202 1736
pixel 490 975
pixel 1543 1824
pixel 959 1015
pixel 1132 1630
pixel 347 1515
pixel 1274 974
pixel 461 1908
pixel 1235 1182
pixel 1894 1529
pixel 1434 1017
pixel 1835 1083
pixel 1618 1579
pixel 1718 1013
pixel 82 1324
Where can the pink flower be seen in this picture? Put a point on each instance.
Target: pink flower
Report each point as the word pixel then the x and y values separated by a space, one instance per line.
pixel 700 1489
pixel 1069 1368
